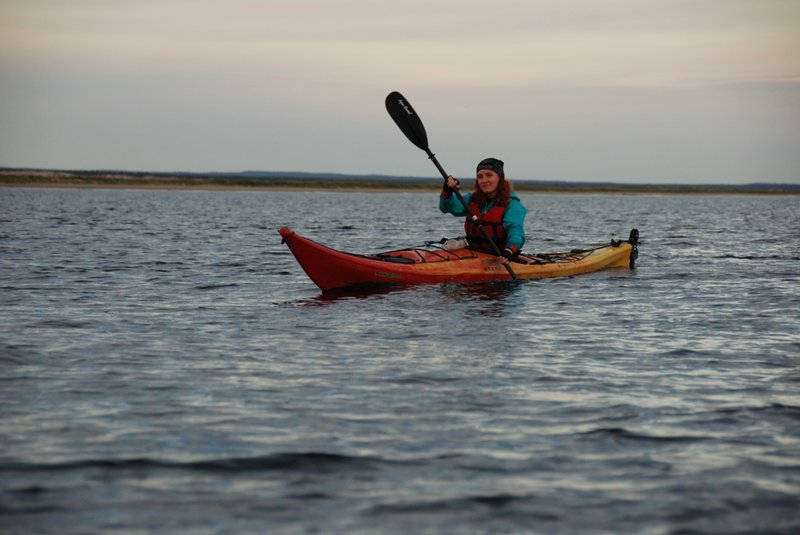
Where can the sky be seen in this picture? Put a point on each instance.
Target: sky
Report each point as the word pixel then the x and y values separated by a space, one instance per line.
pixel 627 91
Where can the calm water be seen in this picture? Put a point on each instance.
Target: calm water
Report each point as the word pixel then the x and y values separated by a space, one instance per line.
pixel 167 367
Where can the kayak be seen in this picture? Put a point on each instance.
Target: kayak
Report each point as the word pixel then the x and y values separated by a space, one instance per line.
pixel 437 263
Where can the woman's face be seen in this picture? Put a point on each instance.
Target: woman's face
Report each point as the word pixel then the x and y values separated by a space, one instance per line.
pixel 488 182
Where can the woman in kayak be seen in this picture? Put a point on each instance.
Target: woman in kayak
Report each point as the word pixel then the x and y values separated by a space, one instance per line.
pixel 499 209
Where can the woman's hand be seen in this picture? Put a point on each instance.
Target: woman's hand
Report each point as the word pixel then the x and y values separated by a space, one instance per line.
pixel 508 254
pixel 452 183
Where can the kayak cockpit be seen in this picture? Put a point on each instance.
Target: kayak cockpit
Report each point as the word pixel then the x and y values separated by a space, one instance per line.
pixel 417 255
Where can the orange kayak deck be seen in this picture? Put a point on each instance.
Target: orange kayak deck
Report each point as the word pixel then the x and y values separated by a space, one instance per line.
pixel 331 269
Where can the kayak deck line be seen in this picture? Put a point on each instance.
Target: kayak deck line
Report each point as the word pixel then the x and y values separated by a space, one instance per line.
pixel 332 269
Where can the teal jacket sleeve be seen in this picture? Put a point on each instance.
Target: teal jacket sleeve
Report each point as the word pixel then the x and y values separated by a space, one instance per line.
pixel 449 204
pixel 514 224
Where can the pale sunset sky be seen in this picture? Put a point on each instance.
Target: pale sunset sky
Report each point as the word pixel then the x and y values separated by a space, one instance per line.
pixel 629 91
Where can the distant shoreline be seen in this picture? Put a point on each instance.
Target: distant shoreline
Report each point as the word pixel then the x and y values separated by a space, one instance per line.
pixel 122 180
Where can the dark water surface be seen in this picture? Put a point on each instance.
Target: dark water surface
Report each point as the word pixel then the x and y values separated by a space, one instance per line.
pixel 168 368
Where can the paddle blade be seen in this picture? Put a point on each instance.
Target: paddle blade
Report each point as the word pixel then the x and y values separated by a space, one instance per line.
pixel 407 119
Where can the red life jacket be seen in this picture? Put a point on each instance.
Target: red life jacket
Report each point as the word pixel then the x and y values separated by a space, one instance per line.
pixel 492 221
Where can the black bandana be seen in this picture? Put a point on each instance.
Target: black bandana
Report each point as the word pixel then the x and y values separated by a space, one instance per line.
pixel 492 164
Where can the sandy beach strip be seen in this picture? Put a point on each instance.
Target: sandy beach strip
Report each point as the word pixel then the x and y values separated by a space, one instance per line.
pixel 79 180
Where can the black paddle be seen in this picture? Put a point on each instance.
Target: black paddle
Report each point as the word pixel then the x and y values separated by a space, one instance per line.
pixel 411 125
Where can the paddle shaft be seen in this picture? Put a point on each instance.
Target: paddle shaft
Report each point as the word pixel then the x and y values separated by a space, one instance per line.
pixel 470 213
pixel 411 125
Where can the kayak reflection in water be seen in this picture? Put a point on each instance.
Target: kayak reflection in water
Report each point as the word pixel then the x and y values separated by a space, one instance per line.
pixel 499 209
